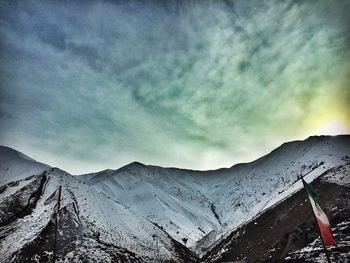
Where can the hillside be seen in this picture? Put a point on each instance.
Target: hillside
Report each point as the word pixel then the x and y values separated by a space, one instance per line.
pixel 203 206
pixel 15 166
pixel 26 232
pixel 287 231
pixel 253 212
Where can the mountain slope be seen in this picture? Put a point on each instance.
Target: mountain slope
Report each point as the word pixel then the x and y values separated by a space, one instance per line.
pixel 15 166
pixel 26 232
pixel 279 233
pixel 169 197
pixel 203 206
pixel 146 213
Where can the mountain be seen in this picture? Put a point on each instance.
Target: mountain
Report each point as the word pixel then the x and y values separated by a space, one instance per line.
pixel 203 206
pixel 287 231
pixel 15 166
pixel 26 232
pixel 141 213
pixel 172 198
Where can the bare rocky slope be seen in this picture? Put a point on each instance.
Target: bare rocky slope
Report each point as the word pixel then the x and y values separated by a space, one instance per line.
pixel 287 231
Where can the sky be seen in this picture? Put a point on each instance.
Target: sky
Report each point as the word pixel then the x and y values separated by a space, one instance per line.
pixel 90 85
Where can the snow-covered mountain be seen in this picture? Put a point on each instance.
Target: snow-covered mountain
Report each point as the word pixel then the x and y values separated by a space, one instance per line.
pixel 15 166
pixel 172 198
pixel 147 213
pixel 26 233
pixel 202 206
pixel 286 232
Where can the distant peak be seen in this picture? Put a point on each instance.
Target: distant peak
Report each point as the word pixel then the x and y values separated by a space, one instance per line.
pixel 7 149
pixel 133 165
pixel 137 163
pixel 8 152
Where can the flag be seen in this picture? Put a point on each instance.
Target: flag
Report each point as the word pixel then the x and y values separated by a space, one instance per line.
pixel 321 218
pixel 54 197
pixel 55 216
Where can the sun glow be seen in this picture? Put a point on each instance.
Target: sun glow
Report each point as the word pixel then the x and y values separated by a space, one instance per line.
pixel 332 127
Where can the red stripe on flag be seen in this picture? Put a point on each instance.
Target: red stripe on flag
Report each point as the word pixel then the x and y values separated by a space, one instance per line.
pixel 326 233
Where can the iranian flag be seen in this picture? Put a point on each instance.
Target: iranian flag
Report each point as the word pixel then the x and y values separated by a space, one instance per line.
pixel 321 217
pixel 56 198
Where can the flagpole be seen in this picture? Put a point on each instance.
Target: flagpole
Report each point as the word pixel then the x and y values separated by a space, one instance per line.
pixel 317 226
pixel 57 222
pixel 157 249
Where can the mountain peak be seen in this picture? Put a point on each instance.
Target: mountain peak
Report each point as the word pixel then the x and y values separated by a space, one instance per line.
pixel 9 153
pixel 133 165
pixel 15 165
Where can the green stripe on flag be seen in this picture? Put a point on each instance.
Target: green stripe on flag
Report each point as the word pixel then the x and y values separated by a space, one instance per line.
pixel 310 191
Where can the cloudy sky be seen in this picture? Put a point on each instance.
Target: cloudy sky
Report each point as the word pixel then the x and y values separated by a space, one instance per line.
pixel 88 85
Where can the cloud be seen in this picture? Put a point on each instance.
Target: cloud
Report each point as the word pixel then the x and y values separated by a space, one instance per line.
pixel 178 83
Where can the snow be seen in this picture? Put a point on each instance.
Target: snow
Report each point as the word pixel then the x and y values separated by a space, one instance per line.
pixel 118 225
pixel 239 193
pixel 314 251
pixel 15 166
pixel 11 189
pixel 158 194
pixel 338 175
pixel 124 205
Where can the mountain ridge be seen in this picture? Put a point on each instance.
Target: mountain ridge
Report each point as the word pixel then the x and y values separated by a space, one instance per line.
pixel 195 211
pixel 137 163
pixel 311 156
